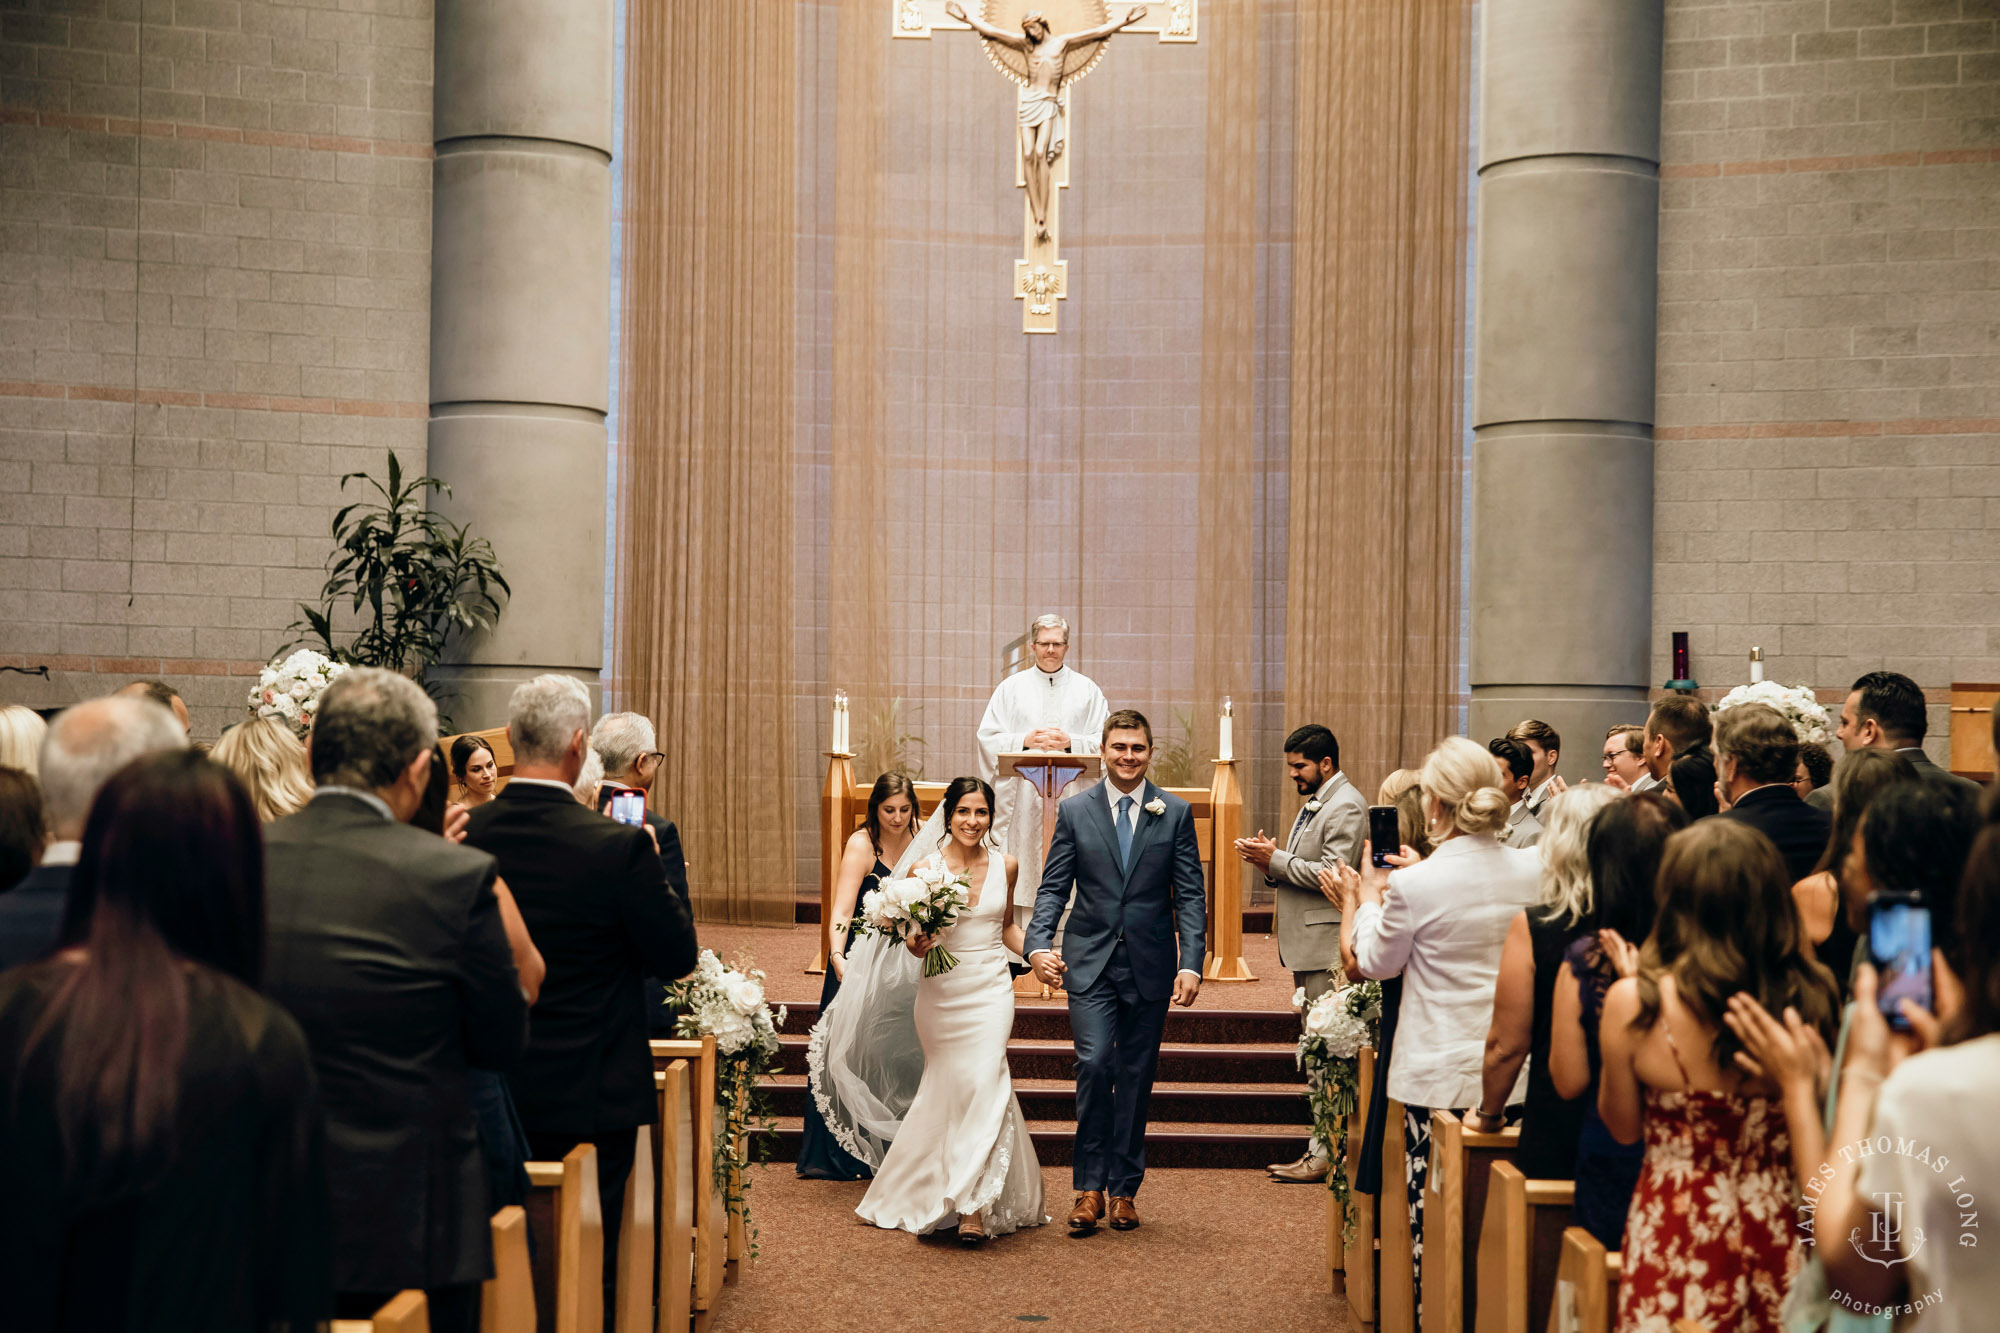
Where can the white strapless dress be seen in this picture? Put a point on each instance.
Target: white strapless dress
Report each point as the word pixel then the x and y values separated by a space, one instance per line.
pixel 963 1146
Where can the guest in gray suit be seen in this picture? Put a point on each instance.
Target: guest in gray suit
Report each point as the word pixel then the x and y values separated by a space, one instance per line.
pixel 1329 830
pixel 1885 711
pixel 1518 764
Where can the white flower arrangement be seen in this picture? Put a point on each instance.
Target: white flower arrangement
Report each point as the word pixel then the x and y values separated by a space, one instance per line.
pixel 1315 805
pixel 1156 806
pixel 290 690
pixel 727 1003
pixel 925 903
pixel 1795 703
pixel 1337 1025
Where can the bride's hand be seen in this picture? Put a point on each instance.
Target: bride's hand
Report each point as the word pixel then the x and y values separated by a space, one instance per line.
pixel 919 944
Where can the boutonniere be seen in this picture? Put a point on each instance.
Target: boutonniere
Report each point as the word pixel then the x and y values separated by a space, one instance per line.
pixel 1314 806
pixel 1156 806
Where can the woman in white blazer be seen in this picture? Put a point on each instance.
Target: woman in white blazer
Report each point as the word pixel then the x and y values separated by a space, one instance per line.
pixel 1441 923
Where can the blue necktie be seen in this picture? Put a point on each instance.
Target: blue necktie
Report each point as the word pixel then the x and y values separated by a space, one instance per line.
pixel 1124 832
pixel 1297 824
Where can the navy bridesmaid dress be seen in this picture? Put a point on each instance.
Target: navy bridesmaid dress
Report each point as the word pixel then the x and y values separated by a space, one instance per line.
pixel 820 1156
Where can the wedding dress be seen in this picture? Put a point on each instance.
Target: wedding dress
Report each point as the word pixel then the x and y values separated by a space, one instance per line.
pixel 962 1146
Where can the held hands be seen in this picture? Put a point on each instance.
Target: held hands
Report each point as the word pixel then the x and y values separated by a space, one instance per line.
pixel 1186 986
pixel 1257 851
pixel 1048 968
pixel 1047 738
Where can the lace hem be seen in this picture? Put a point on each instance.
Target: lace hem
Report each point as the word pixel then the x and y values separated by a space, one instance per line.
pixel 816 1084
pixel 992 1183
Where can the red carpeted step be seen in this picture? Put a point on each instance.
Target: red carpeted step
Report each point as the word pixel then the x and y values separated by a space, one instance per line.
pixel 1050 1022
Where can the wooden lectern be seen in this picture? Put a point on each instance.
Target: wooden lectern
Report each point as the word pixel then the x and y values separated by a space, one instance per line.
pixel 1048 772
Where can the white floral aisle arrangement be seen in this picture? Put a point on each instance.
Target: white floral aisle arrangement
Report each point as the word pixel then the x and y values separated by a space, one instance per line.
pixel 290 690
pixel 1797 704
pixel 1337 1025
pixel 924 904
pixel 727 1003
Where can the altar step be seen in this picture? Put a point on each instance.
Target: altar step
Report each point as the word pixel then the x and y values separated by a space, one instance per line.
pixel 1256 917
pixel 1050 1022
pixel 1236 1105
pixel 1247 1063
pixel 1168 1144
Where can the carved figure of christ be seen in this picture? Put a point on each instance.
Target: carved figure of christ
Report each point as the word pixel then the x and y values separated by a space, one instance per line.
pixel 1041 100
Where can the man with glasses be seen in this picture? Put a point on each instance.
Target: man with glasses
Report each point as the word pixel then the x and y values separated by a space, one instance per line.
pixel 1625 758
pixel 626 744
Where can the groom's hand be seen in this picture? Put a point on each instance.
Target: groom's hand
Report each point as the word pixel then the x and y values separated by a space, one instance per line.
pixel 1048 968
pixel 1186 986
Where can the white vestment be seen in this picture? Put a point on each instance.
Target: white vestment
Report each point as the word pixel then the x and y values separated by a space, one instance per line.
pixel 1028 701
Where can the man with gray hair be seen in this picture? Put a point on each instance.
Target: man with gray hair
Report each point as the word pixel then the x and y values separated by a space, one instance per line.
pixel 389 945
pixel 628 748
pixel 598 907
pixel 82 748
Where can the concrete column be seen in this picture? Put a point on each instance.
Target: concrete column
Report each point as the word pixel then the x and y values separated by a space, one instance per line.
pixel 1565 284
pixel 520 323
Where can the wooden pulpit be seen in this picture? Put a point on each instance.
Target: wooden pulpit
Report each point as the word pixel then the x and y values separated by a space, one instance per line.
pixel 1048 772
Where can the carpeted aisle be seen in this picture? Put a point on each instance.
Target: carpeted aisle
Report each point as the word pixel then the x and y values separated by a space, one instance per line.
pixel 1219 1250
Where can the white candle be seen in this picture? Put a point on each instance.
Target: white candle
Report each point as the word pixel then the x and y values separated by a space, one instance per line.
pixel 1756 666
pixel 1225 739
pixel 839 742
pixel 846 726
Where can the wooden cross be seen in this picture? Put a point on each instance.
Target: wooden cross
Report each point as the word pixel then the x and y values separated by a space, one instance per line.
pixel 1041 277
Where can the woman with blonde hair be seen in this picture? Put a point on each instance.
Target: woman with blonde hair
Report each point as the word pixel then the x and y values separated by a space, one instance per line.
pixel 1524 999
pixel 1443 928
pixel 21 732
pixel 270 762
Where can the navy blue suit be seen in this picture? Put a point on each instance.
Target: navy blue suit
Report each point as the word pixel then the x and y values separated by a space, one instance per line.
pixel 31 915
pixel 1135 924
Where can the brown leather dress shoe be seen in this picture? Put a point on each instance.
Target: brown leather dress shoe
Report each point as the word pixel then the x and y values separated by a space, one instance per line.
pixel 1089 1210
pixel 1124 1213
pixel 1306 1171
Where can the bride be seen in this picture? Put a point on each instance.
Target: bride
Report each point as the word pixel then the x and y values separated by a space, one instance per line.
pixel 954 1148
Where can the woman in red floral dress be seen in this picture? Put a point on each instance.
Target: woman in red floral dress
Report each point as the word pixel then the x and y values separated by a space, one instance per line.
pixel 1711 1233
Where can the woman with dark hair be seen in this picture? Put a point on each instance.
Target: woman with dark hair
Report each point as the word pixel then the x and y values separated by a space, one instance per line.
pixel 1623 849
pixel 476 771
pixel 1726 925
pixel 881 840
pixel 24 826
pixel 1860 775
pixel 159 1122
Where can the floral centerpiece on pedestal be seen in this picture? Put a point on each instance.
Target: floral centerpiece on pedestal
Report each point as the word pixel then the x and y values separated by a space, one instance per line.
pixel 290 690
pixel 1337 1025
pixel 1797 704
pixel 728 1003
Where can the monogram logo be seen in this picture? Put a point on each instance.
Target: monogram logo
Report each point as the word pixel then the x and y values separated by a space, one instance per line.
pixel 1886 1244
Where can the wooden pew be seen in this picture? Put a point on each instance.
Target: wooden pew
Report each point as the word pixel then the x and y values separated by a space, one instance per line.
pixel 637 1253
pixel 569 1275
pixel 676 1198
pixel 1520 1247
pixel 507 1299
pixel 711 1221
pixel 1395 1286
pixel 1354 1261
pixel 1586 1299
pixel 1454 1212
pixel 494 739
pixel 406 1312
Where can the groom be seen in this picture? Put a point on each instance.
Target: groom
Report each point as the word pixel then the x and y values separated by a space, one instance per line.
pixel 1141 912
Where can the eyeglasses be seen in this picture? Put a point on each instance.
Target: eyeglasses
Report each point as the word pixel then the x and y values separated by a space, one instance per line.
pixel 657 756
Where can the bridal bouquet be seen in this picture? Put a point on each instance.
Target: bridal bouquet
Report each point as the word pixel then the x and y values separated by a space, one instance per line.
pixel 290 690
pixel 1337 1025
pixel 1795 703
pixel 924 904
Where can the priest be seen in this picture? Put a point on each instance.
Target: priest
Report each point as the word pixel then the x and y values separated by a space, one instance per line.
pixel 1048 707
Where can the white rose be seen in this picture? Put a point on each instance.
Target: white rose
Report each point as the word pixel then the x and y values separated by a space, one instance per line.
pixel 746 995
pixel 1299 1000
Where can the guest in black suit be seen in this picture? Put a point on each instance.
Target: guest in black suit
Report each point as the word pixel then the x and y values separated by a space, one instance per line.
pixel 388 945
pixel 84 746
pixel 1758 755
pixel 600 911
pixel 626 744
pixel 1885 710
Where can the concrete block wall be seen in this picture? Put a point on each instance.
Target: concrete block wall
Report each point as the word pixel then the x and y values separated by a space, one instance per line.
pixel 214 301
pixel 1828 480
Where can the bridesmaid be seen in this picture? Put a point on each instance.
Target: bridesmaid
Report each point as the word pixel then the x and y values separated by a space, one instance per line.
pixel 477 774
pixel 875 847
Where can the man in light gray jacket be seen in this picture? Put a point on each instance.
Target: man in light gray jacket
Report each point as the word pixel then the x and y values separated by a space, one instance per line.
pixel 1330 828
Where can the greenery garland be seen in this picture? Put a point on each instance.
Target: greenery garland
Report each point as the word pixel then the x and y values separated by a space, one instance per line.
pixel 1337 1025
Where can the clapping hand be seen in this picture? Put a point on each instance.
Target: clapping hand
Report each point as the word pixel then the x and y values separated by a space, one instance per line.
pixel 1557 787
pixel 1623 956
pixel 1790 1054
pixel 456 820
pixel 1257 851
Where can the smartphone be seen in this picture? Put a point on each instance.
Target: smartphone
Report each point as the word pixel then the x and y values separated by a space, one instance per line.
pixel 628 806
pixel 1899 945
pixel 1385 833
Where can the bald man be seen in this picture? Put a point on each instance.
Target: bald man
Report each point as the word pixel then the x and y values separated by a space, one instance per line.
pixel 162 694
pixel 84 746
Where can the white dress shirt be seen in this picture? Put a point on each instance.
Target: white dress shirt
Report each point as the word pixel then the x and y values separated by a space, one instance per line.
pixel 1442 924
pixel 1111 798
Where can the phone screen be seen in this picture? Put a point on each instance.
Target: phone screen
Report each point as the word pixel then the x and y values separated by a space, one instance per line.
pixel 1899 945
pixel 1384 833
pixel 629 807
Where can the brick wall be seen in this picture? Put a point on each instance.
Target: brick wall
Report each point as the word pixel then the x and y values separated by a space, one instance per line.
pixel 214 300
pixel 1828 483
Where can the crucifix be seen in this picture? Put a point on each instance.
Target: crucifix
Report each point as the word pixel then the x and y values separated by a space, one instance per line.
pixel 1044 49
